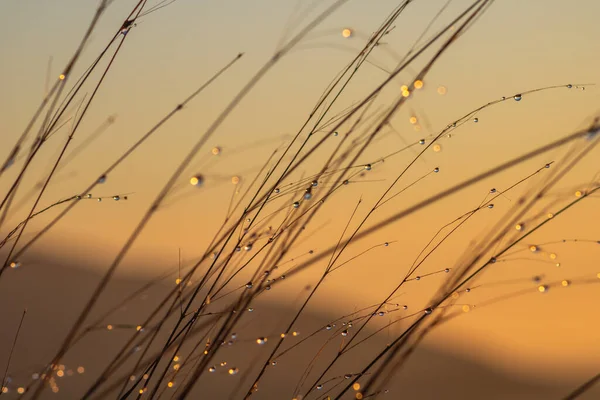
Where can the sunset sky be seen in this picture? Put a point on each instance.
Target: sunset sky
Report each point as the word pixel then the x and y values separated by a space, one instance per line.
pixel 516 46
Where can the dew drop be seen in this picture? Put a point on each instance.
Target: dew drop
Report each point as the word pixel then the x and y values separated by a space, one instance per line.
pixel 447 270
pixel 261 340
pixel 319 387
pixel 248 247
pixel 335 133
pixel 197 180
pixel 475 119
pixel 490 206
pixel 116 198
pixel 368 167
pixel 345 332
pixel 233 371
pixel 436 170
pixel 418 278
pixel 517 97
pixel 296 204
pixel 569 86
pixel 102 179
pixel 307 195
pixel 428 310
pixel 314 183
pixel 329 327
pixel 422 141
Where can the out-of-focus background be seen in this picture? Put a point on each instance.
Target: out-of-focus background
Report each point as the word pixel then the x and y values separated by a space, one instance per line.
pixel 535 345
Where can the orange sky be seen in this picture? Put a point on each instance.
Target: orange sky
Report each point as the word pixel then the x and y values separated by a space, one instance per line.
pixel 516 46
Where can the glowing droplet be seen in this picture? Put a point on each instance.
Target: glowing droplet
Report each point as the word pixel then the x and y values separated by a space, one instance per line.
pixel 533 248
pixel 437 148
pixel 61 77
pixel 347 32
pixel 466 308
pixel 212 369
pixel 542 288
pixel 578 193
pixel 413 120
pixel 21 390
pixel 197 180
pixel 216 150
pixel 233 371
pixel 517 97
pixel 418 84
pixel 405 93
pixel 553 256
pixel 261 340
pixel 109 327
pixel 235 180
pixel 170 384
pixel 565 283
pixel 356 386
pixel 441 90
pixel 519 227
pixel 295 333
pixel 15 264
